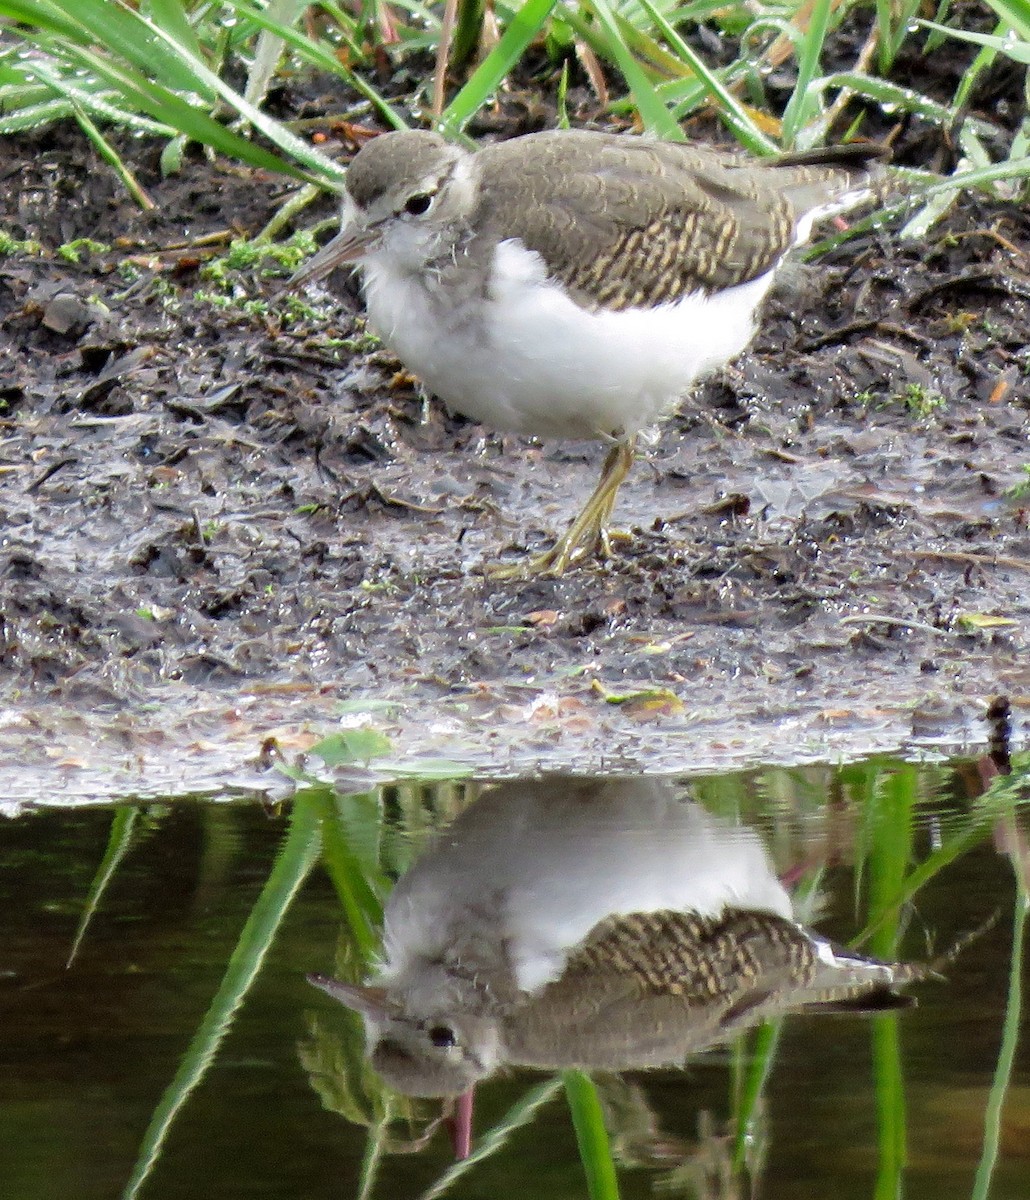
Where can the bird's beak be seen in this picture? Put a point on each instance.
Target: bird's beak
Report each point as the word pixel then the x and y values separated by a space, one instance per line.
pixel 369 1001
pixel 347 247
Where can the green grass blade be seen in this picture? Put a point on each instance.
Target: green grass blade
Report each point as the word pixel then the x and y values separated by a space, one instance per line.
pixel 730 109
pixel 166 106
pixel 884 26
pixel 42 16
pixel 802 102
pixel 96 104
pixel 269 47
pixel 1018 51
pixel 118 842
pixel 171 16
pixel 123 33
pixel 79 103
pixel 274 130
pixel 527 22
pixel 1007 1053
pixel 521 1113
pixel 33 117
pixel 760 1064
pixel 595 1150
pixel 890 817
pixel 654 114
pixel 890 1107
pixel 323 58
pixel 350 855
pixel 953 847
pixel 1015 13
pixel 295 859
pixel 108 153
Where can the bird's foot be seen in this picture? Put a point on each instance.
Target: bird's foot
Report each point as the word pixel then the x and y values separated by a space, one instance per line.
pixel 568 551
pixel 588 535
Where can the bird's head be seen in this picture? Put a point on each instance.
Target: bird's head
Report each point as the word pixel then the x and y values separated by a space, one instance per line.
pixel 428 1052
pixel 408 197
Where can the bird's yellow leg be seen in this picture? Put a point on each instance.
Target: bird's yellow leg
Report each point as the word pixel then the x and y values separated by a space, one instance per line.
pixel 588 534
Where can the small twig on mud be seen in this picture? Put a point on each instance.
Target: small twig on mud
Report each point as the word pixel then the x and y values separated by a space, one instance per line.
pixel 837 335
pixel 997 236
pixel 876 619
pixel 218 238
pixel 964 556
pixel 51 470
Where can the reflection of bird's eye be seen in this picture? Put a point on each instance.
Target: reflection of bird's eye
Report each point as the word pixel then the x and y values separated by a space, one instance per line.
pixel 441 1036
pixel 418 204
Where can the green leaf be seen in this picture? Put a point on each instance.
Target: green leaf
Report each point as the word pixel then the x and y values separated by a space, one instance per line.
pixel 1018 51
pixel 118 842
pixel 527 22
pixel 295 859
pixel 801 104
pixel 595 1150
pixel 653 112
pixel 351 746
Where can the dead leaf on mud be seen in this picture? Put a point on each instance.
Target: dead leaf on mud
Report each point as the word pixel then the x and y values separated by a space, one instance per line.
pixel 973 620
pixel 650 702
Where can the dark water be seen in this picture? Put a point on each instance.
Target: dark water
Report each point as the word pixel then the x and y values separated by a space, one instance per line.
pixel 863 1107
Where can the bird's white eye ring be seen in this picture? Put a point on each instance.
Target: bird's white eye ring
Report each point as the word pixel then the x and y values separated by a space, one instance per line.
pixel 418 204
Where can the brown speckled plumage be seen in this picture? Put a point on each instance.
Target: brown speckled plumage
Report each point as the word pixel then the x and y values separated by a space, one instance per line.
pixel 629 222
pixel 696 958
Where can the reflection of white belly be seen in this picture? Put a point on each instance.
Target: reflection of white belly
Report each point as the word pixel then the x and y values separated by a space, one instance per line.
pixel 530 360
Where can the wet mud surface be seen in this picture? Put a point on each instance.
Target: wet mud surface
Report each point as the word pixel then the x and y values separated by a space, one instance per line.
pixel 219 520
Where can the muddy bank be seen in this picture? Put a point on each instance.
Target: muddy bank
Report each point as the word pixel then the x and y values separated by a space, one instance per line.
pixel 221 517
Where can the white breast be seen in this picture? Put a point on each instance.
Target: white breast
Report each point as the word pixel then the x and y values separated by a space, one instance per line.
pixel 530 360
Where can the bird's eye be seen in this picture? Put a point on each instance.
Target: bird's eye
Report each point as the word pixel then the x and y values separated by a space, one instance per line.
pixel 418 204
pixel 442 1036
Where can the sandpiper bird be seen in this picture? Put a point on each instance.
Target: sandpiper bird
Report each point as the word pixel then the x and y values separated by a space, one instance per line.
pixel 594 924
pixel 575 284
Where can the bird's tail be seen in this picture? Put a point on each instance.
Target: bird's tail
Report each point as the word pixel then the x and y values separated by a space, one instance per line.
pixel 828 180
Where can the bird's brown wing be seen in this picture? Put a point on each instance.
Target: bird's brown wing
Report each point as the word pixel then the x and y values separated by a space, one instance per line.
pixel 704 961
pixel 626 222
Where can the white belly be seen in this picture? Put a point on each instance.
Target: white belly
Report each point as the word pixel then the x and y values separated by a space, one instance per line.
pixel 528 359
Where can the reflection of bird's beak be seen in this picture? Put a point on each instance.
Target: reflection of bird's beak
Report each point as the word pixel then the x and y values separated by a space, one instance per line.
pixel 369 1001
pixel 348 246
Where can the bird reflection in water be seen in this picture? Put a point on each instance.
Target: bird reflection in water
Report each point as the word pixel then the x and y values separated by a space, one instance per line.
pixel 596 924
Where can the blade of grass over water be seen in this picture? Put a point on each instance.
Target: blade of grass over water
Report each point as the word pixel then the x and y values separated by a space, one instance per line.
pixel 294 861
pixel 118 842
pixel 1009 1040
pixel 350 846
pixel 520 1113
pixel 759 1053
pixel 995 804
pixel 595 1150
pixel 889 819
pixel 890 1107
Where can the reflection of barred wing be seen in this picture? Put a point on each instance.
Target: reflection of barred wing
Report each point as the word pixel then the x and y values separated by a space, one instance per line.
pixel 649 989
pixel 738 962
pixel 702 960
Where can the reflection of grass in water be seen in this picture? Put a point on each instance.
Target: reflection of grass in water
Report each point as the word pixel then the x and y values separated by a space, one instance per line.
pixel 888 823
pixel 864 811
pixel 1013 1014
pixel 297 855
